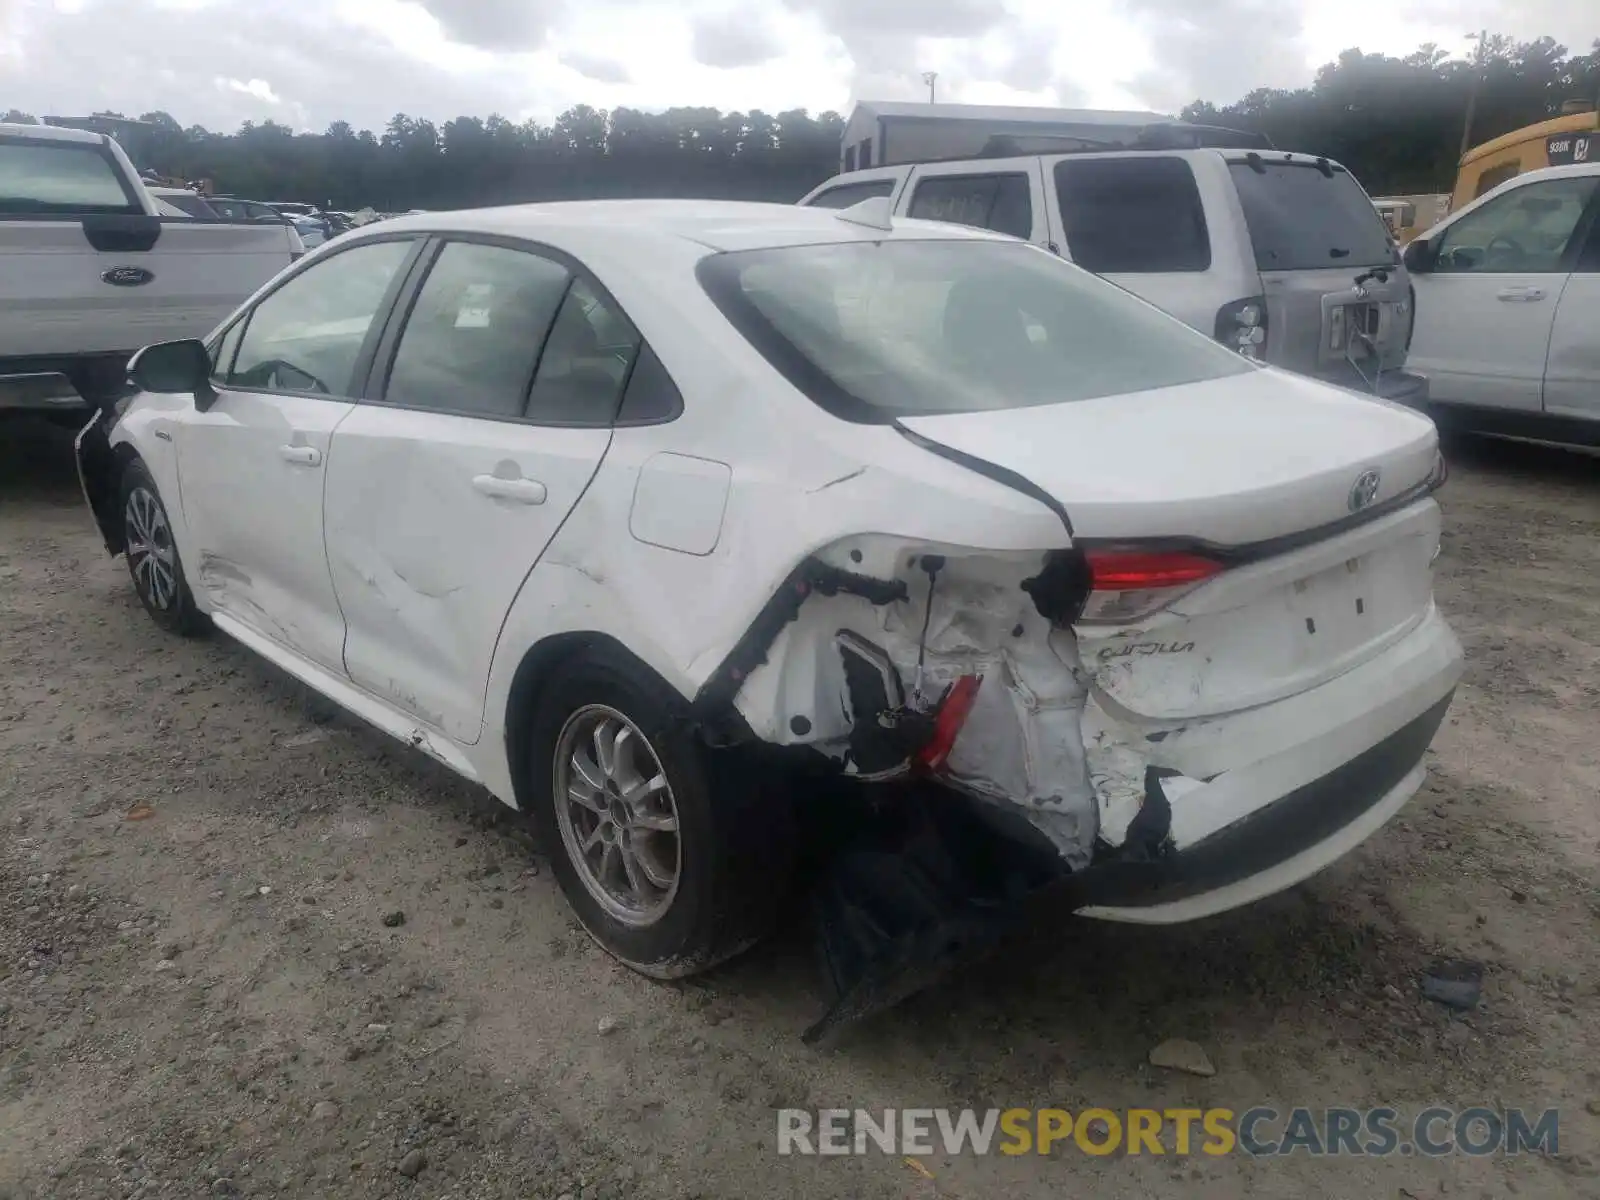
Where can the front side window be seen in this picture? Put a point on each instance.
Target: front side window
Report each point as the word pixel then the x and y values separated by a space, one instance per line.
pixel 847 194
pixel 307 335
pixel 876 331
pixel 61 178
pixel 473 336
pixel 1133 215
pixel 1528 229
pixel 224 349
pixel 998 202
pixel 585 362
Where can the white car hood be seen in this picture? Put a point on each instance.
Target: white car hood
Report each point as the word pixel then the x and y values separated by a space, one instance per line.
pixel 1235 460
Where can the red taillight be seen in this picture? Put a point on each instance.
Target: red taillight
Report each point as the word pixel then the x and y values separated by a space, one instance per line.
pixel 1129 584
pixel 953 712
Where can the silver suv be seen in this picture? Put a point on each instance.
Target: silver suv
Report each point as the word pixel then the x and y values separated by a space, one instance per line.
pixel 1281 256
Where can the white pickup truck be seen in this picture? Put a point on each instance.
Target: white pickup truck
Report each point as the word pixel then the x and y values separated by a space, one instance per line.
pixel 90 270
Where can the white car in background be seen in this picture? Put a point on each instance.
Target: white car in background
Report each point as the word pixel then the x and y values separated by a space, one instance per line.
pixel 620 508
pixel 1508 305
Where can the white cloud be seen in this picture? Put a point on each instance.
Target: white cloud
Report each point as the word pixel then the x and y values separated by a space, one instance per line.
pixel 364 60
pixel 259 88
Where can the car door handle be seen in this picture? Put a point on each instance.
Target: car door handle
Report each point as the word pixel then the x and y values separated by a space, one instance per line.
pixel 523 491
pixel 1527 295
pixel 302 456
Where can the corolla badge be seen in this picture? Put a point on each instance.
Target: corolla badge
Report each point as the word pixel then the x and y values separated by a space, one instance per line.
pixel 1364 490
pixel 126 276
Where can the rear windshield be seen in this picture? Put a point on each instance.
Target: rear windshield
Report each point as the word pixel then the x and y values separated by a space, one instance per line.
pixel 1301 219
pixel 195 206
pixel 847 194
pixel 45 179
pixel 873 331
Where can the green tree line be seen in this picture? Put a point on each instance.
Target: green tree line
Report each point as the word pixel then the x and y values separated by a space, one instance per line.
pixel 1396 122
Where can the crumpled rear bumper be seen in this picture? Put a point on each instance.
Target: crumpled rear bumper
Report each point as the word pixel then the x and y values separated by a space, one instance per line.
pixel 1273 848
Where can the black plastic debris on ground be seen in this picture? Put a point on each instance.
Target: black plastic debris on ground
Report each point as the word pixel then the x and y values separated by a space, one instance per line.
pixel 1455 983
pixel 923 890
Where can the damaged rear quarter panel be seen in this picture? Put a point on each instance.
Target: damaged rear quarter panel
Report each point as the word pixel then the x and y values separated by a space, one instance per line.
pixel 801 480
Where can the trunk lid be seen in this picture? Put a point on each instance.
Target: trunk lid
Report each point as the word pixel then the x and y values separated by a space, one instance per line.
pixel 1232 461
pixel 1240 469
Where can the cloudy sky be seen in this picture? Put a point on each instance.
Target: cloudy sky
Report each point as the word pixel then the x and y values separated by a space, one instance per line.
pixel 220 62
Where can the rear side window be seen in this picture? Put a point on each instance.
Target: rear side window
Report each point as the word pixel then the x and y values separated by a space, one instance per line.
pixel 998 202
pixel 1133 215
pixel 847 194
pixel 72 178
pixel 585 362
pixel 473 336
pixel 1301 219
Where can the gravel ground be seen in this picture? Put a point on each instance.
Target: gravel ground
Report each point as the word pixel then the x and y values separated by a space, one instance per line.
pixel 205 990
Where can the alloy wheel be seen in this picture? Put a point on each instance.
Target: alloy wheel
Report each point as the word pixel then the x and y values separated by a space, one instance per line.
pixel 151 555
pixel 617 815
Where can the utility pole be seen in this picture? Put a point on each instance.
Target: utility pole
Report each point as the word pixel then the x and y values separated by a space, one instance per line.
pixel 1472 95
pixel 930 78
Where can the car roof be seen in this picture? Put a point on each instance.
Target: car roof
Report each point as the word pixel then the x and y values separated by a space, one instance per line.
pixel 1570 170
pixel 52 133
pixel 715 225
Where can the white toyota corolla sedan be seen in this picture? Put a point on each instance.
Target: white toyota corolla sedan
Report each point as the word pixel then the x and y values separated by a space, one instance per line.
pixel 630 510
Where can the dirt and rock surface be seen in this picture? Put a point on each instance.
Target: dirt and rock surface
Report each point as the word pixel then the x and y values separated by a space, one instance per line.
pixel 206 990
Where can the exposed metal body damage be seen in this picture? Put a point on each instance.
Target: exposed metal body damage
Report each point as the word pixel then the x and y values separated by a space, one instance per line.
pixel 881 638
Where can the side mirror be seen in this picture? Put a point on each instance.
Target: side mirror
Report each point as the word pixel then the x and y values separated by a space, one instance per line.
pixel 175 367
pixel 1419 256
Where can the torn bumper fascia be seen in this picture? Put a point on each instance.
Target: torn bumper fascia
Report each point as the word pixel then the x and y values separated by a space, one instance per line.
pixel 1041 739
pixel 1022 746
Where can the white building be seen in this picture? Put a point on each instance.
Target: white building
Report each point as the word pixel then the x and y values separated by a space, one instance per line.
pixel 881 132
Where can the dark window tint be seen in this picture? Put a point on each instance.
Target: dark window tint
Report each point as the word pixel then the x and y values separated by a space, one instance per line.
pixel 651 395
pixel 1494 177
pixel 307 335
pixel 1134 215
pixel 585 362
pixel 850 159
pixel 1302 219
pixel 195 206
pixel 1527 229
pixel 998 202
pixel 74 178
pixel 243 210
pixel 474 334
pixel 847 194
pixel 865 157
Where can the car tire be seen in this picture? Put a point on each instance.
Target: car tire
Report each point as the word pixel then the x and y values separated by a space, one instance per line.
pixel 152 555
pixel 693 895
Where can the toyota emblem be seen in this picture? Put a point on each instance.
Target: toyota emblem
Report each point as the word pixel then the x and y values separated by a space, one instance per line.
pixel 1364 490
